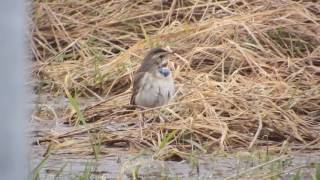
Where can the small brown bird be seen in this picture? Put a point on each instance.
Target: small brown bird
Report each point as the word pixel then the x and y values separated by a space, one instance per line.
pixel 153 85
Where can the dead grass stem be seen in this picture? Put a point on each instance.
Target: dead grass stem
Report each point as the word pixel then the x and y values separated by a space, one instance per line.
pixel 247 73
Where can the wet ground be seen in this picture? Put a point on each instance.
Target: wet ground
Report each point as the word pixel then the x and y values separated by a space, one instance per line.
pixel 126 165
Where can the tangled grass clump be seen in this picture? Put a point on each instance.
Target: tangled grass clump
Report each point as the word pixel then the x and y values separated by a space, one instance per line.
pixel 247 72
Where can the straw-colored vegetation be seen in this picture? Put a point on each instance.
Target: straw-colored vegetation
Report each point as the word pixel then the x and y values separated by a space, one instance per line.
pixel 247 74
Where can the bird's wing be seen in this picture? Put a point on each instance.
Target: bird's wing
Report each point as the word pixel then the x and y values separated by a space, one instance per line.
pixel 137 85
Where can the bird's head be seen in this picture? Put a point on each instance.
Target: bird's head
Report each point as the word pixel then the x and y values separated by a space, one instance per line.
pixel 156 62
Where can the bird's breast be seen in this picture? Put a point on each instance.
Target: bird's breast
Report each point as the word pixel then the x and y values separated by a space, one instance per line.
pixel 155 91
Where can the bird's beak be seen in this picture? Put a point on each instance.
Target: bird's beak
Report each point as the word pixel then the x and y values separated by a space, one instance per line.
pixel 169 50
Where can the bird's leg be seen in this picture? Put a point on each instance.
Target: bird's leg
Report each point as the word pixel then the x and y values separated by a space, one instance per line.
pixel 143 117
pixel 149 120
pixel 141 124
pixel 159 118
pixel 162 120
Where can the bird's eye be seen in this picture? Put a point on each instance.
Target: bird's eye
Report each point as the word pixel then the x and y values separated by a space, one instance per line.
pixel 161 56
pixel 165 64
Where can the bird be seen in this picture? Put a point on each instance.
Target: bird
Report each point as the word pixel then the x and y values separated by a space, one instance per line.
pixel 153 85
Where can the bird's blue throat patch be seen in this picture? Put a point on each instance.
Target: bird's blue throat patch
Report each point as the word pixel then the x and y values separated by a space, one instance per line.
pixel 164 71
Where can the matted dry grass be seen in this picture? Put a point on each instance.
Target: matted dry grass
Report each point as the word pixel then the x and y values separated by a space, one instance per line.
pixel 247 73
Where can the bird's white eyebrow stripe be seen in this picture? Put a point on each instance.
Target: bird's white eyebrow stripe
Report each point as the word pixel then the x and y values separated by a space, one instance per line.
pixel 152 88
pixel 160 53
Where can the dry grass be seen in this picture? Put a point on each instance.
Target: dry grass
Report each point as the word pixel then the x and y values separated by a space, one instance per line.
pixel 247 72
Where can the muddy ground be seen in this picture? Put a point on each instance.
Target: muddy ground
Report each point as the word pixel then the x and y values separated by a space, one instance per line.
pixel 125 164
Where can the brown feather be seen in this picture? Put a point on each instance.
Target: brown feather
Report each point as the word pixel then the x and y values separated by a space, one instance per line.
pixel 136 86
pixel 148 61
pixel 146 64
